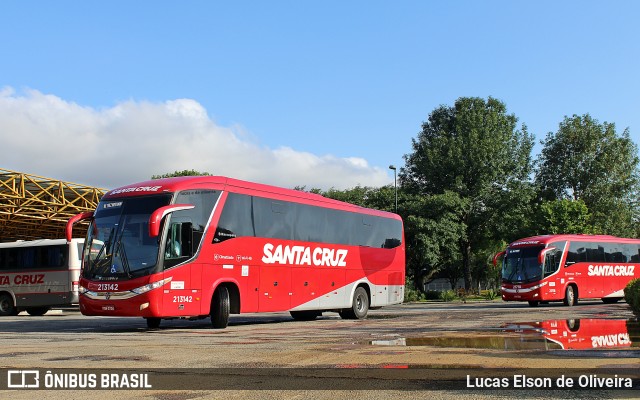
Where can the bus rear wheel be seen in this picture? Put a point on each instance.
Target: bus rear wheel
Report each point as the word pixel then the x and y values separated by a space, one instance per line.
pixel 570 296
pixel 220 308
pixel 37 311
pixel 305 315
pixel 6 305
pixel 359 307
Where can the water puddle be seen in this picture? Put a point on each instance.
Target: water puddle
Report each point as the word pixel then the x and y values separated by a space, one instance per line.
pixel 573 334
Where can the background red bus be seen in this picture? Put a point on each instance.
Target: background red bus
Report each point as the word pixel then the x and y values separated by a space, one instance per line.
pixel 568 267
pixel 214 246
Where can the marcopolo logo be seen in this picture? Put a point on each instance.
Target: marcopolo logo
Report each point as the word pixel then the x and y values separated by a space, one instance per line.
pixel 303 255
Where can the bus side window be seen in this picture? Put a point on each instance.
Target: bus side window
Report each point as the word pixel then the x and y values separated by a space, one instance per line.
pixel 179 241
pixel 552 261
pixel 633 252
pixel 595 253
pixel 572 254
pixel 614 252
pixel 236 219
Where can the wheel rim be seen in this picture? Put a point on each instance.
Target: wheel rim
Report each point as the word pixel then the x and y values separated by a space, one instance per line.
pixel 570 295
pixel 4 305
pixel 359 303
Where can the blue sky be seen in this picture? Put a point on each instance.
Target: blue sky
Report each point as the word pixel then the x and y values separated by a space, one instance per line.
pixel 309 93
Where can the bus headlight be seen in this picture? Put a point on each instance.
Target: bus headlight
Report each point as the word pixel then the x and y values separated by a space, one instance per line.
pixel 84 291
pixel 151 286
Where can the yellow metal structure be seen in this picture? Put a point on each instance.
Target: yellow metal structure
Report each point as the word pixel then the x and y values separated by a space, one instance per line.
pixel 33 207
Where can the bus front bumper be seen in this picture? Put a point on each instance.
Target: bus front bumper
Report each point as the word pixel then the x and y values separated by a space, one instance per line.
pixel 110 304
pixel 513 293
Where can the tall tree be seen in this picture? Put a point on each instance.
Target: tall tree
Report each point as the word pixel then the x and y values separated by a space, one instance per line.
pixel 564 216
pixel 474 150
pixel 432 234
pixel 588 161
pixel 184 172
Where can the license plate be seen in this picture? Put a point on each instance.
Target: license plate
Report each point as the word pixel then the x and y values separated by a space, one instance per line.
pixel 108 308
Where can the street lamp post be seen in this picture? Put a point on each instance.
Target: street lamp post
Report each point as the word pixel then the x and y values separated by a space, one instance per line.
pixel 395 184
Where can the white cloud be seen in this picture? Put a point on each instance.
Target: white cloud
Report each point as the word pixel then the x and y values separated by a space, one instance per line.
pixel 48 136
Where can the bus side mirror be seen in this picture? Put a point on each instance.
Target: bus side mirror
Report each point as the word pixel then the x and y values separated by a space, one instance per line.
pixel 74 220
pixel 543 254
pixel 160 213
pixel 495 258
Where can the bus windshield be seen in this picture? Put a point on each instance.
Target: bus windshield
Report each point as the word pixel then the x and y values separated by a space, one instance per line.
pixel 521 265
pixel 118 243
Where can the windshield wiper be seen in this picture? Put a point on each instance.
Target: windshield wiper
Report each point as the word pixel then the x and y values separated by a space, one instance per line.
pixel 105 245
pixel 123 256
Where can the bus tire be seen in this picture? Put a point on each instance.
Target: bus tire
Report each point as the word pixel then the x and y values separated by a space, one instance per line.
pixel 37 311
pixel 534 303
pixel 153 322
pixel 359 306
pixel 7 307
pixel 570 296
pixel 220 308
pixel 305 315
pixel 573 325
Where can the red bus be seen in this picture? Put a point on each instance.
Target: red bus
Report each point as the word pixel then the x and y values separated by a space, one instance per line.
pixel 196 247
pixel 579 334
pixel 568 268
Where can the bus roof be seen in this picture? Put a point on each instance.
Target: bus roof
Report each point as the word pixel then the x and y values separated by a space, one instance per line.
pixel 545 239
pixel 171 185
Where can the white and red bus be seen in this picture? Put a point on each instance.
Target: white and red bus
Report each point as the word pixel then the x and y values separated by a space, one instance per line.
pixel 568 268
pixel 195 247
pixel 37 275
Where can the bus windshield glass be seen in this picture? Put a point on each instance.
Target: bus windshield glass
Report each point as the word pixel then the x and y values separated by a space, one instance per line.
pixel 118 245
pixel 521 265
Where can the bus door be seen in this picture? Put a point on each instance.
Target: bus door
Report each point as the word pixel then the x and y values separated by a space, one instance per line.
pixel 182 295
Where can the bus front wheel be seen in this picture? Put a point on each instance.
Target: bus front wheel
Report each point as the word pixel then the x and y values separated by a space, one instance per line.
pixel 359 307
pixel 37 311
pixel 570 296
pixel 533 303
pixel 220 308
pixel 6 305
pixel 153 323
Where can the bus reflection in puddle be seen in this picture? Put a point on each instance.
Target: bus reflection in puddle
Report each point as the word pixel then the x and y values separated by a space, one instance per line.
pixel 573 334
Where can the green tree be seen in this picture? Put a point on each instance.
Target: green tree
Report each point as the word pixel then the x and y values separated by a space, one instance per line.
pixel 381 198
pixel 564 216
pixel 588 161
pixel 185 172
pixel 475 151
pixel 432 233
